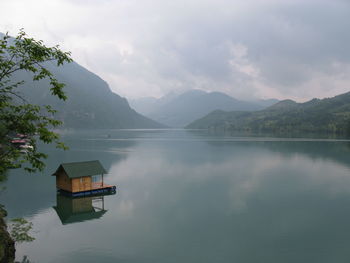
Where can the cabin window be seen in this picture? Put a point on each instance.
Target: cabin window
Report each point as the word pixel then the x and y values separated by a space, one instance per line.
pixel 81 180
pixel 96 178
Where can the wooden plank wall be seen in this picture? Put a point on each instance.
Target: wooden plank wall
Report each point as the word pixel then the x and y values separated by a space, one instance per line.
pixel 63 182
pixel 81 184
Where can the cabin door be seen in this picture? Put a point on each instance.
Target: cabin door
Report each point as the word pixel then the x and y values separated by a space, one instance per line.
pixel 81 184
pixel 86 183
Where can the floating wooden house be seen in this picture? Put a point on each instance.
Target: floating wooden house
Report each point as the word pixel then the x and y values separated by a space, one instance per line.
pixel 82 178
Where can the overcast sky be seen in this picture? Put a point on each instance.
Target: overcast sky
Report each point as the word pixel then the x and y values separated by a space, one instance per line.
pixel 251 48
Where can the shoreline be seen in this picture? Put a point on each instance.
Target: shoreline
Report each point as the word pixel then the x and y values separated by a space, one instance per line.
pixel 7 245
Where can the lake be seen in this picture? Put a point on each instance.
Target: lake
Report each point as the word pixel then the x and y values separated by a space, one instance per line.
pixel 190 196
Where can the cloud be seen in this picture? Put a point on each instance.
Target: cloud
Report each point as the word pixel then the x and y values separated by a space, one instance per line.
pixel 254 48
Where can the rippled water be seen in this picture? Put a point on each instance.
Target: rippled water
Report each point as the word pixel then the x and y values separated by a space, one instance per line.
pixel 189 196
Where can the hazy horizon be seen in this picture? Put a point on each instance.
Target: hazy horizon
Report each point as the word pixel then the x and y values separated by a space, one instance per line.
pixel 177 93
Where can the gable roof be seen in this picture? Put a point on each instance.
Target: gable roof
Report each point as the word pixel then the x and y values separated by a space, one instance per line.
pixel 80 169
pixel 78 217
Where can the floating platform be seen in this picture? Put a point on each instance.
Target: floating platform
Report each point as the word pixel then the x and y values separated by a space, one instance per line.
pixel 105 190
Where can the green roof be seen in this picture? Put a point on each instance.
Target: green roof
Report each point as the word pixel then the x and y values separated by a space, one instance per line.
pixel 67 218
pixel 80 169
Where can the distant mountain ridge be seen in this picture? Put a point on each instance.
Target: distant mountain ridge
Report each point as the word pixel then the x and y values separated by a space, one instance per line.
pixel 90 103
pixel 147 105
pixel 180 110
pixel 316 115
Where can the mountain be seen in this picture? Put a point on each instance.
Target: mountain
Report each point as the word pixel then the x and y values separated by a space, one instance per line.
pixel 266 103
pixel 316 115
pixel 90 103
pixel 147 105
pixel 179 110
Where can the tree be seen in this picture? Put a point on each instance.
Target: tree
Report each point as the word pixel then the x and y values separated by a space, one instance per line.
pixel 17 115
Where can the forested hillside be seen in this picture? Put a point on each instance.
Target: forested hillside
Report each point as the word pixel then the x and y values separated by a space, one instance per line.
pixel 326 115
pixel 90 103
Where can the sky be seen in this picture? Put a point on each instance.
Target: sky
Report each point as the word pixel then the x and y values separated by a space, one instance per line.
pixel 248 49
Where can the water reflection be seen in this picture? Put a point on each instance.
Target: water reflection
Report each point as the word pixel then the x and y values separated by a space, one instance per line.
pixel 36 192
pixel 73 210
pixel 24 260
pixel 188 197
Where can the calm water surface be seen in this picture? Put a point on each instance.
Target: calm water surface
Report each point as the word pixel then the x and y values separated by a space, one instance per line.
pixel 188 196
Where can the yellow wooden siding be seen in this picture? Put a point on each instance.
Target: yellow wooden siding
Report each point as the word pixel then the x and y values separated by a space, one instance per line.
pixel 81 184
pixel 87 183
pixel 63 182
pixel 75 185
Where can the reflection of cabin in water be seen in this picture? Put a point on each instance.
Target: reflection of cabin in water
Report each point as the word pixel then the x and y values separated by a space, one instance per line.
pixel 72 210
pixel 82 178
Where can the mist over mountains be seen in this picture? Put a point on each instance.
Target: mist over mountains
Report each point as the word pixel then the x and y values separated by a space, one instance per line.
pixel 92 105
pixel 179 110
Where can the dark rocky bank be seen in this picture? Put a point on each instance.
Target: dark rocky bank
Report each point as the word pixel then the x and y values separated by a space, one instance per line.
pixel 7 245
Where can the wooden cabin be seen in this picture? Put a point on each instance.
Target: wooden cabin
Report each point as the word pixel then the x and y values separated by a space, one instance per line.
pixel 82 178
